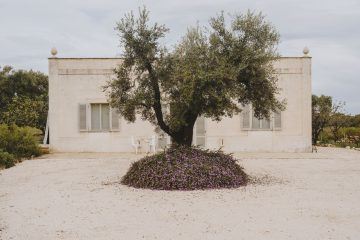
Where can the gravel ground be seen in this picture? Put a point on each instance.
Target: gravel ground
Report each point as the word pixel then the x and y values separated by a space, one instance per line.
pixel 78 196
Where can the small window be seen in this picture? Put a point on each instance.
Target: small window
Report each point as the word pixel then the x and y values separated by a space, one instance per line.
pixel 250 122
pixel 277 120
pixel 265 123
pixel 100 117
pixel 260 123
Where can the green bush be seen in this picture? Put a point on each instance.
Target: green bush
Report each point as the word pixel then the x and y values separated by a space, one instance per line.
pixel 353 135
pixel 350 136
pixel 24 111
pixel 326 136
pixel 7 160
pixel 22 142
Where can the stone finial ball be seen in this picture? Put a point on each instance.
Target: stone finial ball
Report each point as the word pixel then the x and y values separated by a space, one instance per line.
pixel 54 52
pixel 306 51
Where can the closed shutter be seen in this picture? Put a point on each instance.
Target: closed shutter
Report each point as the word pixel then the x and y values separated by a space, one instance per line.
pixel 246 117
pixel 105 117
pixel 82 117
pixel 115 120
pixel 277 120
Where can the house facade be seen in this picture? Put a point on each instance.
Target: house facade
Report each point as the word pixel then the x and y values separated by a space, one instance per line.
pixel 80 119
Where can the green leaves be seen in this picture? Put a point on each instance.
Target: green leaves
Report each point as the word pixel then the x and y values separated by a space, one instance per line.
pixel 23 97
pixel 321 112
pixel 211 72
pixel 24 111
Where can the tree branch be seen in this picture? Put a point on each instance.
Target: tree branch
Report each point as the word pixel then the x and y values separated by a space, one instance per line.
pixel 157 102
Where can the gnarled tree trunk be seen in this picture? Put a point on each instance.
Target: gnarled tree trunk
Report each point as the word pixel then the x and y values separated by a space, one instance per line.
pixel 183 136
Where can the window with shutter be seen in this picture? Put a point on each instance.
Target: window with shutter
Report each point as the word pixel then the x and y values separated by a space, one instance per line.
pixel 277 120
pixel 95 117
pixel 115 120
pixel 265 124
pixel 250 122
pixel 105 117
pixel 100 117
pixel 82 117
pixel 256 122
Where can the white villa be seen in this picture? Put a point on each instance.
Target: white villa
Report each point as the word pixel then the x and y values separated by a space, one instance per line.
pixel 80 119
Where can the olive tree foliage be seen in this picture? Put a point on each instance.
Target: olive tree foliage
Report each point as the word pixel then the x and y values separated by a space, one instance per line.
pixel 327 113
pixel 338 120
pixel 210 72
pixel 23 97
pixel 24 111
pixel 321 111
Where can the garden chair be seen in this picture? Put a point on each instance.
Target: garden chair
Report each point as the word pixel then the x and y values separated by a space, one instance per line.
pixel 136 144
pixel 152 144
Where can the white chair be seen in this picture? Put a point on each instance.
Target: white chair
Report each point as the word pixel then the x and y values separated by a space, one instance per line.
pixel 136 144
pixel 152 143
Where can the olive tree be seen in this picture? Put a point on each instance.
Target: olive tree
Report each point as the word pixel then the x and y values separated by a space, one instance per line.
pixel 321 112
pixel 338 120
pixel 23 97
pixel 212 72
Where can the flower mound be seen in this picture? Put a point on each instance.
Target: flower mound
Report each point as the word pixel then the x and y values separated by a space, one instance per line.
pixel 185 168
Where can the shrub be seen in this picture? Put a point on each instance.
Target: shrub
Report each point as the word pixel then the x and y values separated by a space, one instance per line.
pixel 325 136
pixel 185 168
pixel 353 136
pixel 25 111
pixel 22 142
pixel 7 160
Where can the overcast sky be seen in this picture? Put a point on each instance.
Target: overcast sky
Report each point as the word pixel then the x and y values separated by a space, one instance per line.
pixel 85 28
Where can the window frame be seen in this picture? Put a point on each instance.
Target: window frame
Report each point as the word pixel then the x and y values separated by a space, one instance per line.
pixel 261 121
pixel 272 127
pixel 100 118
pixel 89 118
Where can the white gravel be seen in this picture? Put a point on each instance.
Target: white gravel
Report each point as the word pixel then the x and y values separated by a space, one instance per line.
pixel 77 196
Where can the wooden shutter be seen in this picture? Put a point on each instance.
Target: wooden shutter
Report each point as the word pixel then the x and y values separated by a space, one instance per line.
pixel 82 117
pixel 115 120
pixel 246 117
pixel 277 120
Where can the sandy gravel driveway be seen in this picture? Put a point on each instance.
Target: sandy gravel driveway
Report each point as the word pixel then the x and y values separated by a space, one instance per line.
pixel 76 196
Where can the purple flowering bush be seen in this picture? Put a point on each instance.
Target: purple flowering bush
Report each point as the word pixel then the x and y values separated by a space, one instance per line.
pixel 186 168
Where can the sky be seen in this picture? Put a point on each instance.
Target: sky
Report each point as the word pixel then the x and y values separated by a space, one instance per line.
pixel 85 28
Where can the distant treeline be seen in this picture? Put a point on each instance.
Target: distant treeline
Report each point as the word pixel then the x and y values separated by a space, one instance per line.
pixel 23 98
pixel 331 125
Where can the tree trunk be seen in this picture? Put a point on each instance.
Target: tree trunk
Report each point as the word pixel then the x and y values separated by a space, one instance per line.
pixel 314 139
pixel 184 136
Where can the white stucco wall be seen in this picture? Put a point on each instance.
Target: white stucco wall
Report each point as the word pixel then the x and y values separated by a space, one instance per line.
pixel 295 133
pixel 74 81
